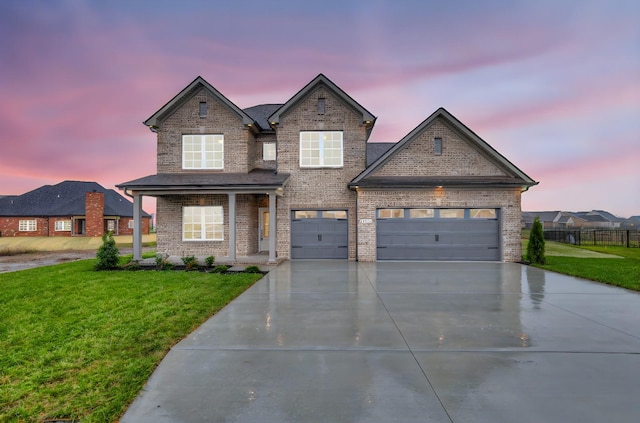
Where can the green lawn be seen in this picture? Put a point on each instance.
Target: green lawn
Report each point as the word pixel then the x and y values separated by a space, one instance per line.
pixel 618 266
pixel 80 344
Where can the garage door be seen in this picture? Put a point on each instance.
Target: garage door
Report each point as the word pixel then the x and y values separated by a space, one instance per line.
pixel 319 234
pixel 438 234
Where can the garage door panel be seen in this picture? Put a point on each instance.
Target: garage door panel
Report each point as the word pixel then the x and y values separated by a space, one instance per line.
pixel 319 238
pixel 438 239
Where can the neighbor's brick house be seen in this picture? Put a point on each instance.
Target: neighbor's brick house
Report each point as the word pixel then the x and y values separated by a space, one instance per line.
pixel 299 180
pixel 70 208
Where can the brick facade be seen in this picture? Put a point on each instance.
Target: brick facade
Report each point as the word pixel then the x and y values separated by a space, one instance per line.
pixel 507 201
pixel 238 141
pixel 325 187
pixel 458 157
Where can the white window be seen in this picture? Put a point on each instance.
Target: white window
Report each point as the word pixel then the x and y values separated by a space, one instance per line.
pixel 202 223
pixel 269 151
pixel 130 224
pixel 321 149
pixel 27 225
pixel 203 151
pixel 63 226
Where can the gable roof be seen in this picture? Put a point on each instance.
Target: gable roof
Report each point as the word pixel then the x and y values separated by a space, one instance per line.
pixel 67 198
pixel 188 92
pixel 516 176
pixel 366 117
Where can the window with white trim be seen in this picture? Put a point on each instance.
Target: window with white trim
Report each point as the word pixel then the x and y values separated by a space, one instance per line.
pixel 130 224
pixel 62 226
pixel 269 151
pixel 203 151
pixel 28 225
pixel 202 223
pixel 321 149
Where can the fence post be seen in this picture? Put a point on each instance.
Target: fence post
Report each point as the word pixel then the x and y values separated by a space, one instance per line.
pixel 628 237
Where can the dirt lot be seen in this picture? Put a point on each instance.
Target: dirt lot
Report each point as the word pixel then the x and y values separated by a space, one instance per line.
pixel 46 251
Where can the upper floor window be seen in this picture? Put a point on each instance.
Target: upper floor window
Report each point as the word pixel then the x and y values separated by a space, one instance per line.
pixel 321 149
pixel 268 151
pixel 27 225
pixel 203 151
pixel 203 109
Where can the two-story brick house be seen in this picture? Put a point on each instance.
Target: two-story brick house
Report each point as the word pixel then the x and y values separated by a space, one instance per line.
pixel 300 181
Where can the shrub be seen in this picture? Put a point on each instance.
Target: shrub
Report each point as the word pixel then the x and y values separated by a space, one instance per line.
pixel 190 263
pixel 162 262
pixel 133 265
pixel 252 269
pixel 220 269
pixel 535 247
pixel 209 261
pixel 108 254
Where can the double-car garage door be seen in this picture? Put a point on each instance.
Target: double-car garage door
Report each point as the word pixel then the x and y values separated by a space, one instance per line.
pixel 438 234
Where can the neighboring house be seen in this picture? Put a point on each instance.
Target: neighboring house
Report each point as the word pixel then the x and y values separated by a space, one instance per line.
pixel 548 219
pixel 631 223
pixel 70 208
pixel 595 219
pixel 299 181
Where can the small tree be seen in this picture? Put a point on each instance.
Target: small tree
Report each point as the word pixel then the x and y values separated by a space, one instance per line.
pixel 107 254
pixel 535 247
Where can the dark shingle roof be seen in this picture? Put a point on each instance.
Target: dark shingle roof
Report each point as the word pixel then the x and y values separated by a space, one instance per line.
pixel 64 199
pixel 261 113
pixel 377 149
pixel 256 179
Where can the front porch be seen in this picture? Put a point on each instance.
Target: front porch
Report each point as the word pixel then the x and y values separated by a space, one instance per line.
pixel 248 213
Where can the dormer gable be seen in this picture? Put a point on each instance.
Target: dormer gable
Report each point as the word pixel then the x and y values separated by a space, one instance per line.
pixel 153 122
pixel 366 118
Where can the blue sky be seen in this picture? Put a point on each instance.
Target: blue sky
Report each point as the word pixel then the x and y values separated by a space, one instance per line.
pixel 552 85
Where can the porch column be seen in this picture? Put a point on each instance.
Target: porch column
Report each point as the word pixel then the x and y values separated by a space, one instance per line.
pixel 232 226
pixel 137 227
pixel 272 228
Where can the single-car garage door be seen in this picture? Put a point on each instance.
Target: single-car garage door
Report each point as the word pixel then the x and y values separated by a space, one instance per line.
pixel 319 234
pixel 438 234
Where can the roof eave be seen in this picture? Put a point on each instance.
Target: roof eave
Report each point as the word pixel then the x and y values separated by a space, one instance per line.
pixel 367 118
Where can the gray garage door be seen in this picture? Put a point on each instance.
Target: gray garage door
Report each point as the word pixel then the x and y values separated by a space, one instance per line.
pixel 319 234
pixel 438 234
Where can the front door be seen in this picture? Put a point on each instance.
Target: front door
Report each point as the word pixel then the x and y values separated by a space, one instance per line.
pixel 263 230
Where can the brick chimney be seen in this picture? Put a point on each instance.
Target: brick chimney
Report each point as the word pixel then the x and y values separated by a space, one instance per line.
pixel 94 213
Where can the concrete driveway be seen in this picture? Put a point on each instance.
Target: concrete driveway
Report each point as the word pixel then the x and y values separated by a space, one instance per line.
pixel 406 342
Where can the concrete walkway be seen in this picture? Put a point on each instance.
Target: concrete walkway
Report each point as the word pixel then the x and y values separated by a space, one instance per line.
pixel 406 342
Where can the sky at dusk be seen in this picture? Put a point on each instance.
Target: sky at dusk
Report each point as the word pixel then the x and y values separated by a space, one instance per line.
pixel 553 85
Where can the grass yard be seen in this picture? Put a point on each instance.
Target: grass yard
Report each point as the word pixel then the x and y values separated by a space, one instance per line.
pixel 618 266
pixel 80 344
